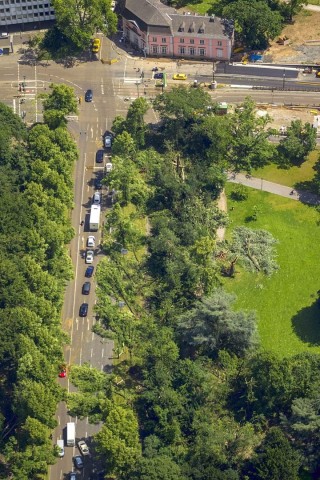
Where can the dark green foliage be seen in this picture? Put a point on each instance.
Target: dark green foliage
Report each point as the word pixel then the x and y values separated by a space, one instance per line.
pixel 300 140
pixel 275 459
pixel 212 326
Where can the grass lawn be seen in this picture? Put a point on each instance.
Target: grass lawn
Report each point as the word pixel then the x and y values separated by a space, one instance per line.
pixel 201 7
pixel 289 318
pixel 289 177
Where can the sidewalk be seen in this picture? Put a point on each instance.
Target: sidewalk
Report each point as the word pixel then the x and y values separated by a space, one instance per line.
pixel 266 186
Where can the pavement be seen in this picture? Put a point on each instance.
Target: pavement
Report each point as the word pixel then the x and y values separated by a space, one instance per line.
pixel 271 187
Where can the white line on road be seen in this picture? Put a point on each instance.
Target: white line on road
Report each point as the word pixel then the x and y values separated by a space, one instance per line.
pixel 92 337
pixel 102 352
pixel 14 106
pixel 8 74
pixel 91 129
pixel 91 353
pixel 88 325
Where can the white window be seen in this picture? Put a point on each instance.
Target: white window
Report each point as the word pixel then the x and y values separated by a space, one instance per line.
pixel 202 52
pixel 181 40
pixel 163 49
pixel 154 49
pixel 201 42
pixel 219 52
pixel 164 40
pixel 182 50
pixel 219 43
pixel 191 51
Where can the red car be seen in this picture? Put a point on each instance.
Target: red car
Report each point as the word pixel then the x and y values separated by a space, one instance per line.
pixel 63 373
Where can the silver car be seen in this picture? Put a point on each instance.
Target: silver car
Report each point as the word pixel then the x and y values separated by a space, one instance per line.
pixel 83 447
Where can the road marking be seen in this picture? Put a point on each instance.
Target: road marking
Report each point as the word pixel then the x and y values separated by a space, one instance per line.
pixel 91 353
pixel 59 422
pixel 92 337
pixel 14 106
pixel 88 325
pixel 102 353
pixel 7 74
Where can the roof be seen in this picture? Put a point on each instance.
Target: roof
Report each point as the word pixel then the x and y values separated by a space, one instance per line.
pixel 204 25
pixel 151 12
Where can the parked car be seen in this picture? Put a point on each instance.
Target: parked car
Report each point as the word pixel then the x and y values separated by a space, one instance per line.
pixel 83 311
pixel 96 199
pixel 179 76
pixel 98 183
pixel 108 167
pixel 86 287
pixel 78 461
pixel 91 242
pixel 62 373
pixel 60 445
pixel 89 256
pixel 107 140
pixel 88 96
pixel 158 75
pixel 96 44
pixel 83 447
pixel 99 156
pixel 72 476
pixel 89 271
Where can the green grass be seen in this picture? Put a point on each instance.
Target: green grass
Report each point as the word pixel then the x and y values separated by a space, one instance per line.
pixel 289 177
pixel 201 7
pixel 289 319
pixel 314 2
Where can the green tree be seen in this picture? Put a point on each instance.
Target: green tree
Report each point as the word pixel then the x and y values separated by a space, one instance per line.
pixel 135 124
pixel 300 140
pixel 275 459
pixel 117 443
pixel 255 22
pixel 78 20
pixel 60 102
pixel 156 468
pixel 212 326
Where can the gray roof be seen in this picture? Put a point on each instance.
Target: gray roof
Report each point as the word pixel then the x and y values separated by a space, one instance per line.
pixel 151 12
pixel 193 24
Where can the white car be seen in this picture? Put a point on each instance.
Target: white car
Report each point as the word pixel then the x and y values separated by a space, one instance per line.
pixel 91 242
pixel 89 256
pixel 108 167
pixel 96 199
pixel 60 445
pixel 107 141
pixel 83 447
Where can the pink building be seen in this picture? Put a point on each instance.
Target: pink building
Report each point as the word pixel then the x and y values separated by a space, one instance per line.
pixel 160 31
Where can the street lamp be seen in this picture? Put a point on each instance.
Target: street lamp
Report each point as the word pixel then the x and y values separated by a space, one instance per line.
pixel 138 84
pixel 283 79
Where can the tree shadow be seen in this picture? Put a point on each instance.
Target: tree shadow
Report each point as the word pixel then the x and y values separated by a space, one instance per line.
pixel 306 324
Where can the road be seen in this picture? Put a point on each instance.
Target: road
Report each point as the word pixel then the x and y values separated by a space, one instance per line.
pixel 112 85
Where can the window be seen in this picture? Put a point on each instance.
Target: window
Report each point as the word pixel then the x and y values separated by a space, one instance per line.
pixel 219 43
pixel 154 39
pixel 219 52
pixel 163 49
pixel 202 52
pixel 154 49
pixel 181 40
pixel 192 41
pixel 182 50
pixel 163 40
pixel 201 42
pixel 192 51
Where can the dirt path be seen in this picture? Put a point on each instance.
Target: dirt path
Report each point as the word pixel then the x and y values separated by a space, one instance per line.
pixel 222 205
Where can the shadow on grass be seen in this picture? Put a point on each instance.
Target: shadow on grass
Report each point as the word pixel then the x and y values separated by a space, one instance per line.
pixel 306 324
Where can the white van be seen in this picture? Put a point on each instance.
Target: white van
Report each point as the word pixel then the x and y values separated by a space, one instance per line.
pixel 60 445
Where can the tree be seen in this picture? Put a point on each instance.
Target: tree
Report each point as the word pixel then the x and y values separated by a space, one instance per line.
pixel 300 140
pixel 249 147
pixel 159 467
pixel 60 102
pixel 275 459
pixel 134 123
pixel 212 326
pixel 255 22
pixel 117 443
pixel 78 20
pixel 254 249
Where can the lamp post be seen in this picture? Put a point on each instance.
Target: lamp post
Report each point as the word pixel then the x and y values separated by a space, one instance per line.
pixel 138 84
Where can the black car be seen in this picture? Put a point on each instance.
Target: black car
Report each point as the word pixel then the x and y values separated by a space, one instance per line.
pixel 99 156
pixel 89 271
pixel 88 96
pixel 158 75
pixel 86 287
pixel 98 183
pixel 78 461
pixel 83 311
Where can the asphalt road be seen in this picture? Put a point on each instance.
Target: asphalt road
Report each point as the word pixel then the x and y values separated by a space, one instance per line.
pixel 113 87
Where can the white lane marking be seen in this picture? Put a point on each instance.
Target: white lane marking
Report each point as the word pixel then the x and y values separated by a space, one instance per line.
pixel 125 68
pixel 14 106
pixel 91 130
pixel 102 353
pixel 7 74
pixel 92 337
pixel 88 325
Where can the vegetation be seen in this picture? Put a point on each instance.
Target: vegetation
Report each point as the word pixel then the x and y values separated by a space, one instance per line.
pixel 36 195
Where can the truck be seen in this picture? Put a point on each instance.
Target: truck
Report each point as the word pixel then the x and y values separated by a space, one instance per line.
pixel 71 434
pixel 94 218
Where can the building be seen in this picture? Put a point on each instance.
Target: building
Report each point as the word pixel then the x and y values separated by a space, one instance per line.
pixel 22 12
pixel 159 30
